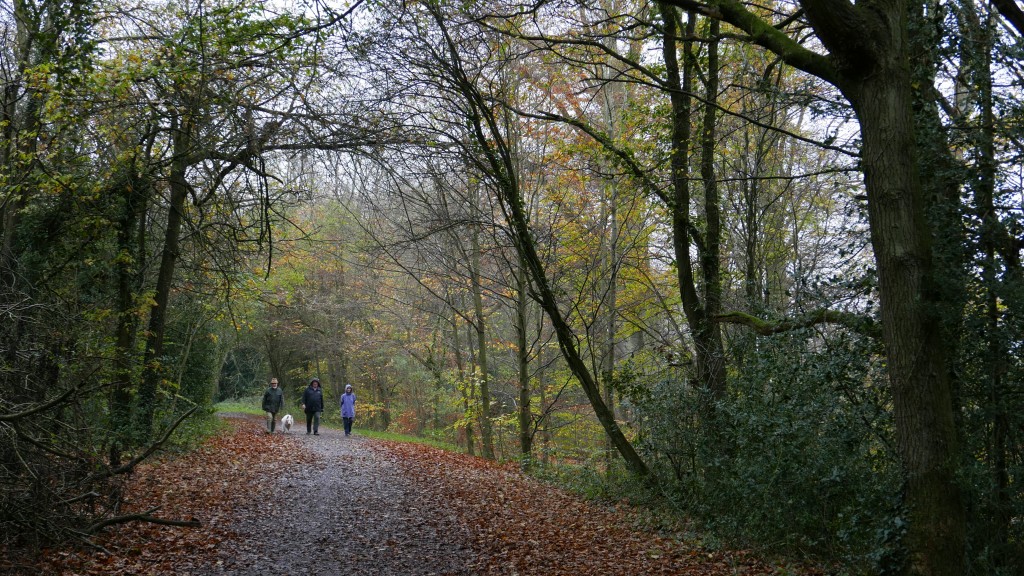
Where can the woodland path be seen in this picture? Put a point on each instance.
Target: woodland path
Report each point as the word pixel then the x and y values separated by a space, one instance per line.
pixel 291 504
pixel 350 510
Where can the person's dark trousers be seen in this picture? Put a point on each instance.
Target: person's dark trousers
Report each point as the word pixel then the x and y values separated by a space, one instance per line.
pixel 313 422
pixel 348 425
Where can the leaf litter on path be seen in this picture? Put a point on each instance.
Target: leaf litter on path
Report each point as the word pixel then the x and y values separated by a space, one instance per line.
pixel 291 503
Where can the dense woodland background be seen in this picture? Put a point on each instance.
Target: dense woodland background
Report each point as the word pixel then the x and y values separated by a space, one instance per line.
pixel 762 260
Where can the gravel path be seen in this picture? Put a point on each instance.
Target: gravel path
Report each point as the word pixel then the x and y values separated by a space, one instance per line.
pixel 350 511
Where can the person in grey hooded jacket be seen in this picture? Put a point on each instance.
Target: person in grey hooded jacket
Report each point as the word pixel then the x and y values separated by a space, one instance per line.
pixel 348 409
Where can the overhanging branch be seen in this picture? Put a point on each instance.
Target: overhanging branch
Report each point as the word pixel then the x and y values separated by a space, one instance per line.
pixel 1012 13
pixel 863 325
pixel 764 34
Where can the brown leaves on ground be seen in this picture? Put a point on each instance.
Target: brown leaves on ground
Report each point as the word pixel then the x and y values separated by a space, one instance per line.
pixel 517 525
pixel 204 485
pixel 523 526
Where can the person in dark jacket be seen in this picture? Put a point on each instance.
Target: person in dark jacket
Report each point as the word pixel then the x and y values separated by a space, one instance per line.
pixel 273 401
pixel 313 405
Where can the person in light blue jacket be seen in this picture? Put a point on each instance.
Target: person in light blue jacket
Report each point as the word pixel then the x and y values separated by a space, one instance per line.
pixel 348 409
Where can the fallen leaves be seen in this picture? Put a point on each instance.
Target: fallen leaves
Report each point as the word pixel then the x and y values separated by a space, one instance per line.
pixel 523 526
pixel 512 523
pixel 205 485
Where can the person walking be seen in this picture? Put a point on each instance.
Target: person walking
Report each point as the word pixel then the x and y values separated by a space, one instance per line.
pixel 348 409
pixel 273 401
pixel 313 405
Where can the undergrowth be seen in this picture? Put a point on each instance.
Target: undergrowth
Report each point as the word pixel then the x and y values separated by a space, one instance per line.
pixel 651 510
pixel 649 507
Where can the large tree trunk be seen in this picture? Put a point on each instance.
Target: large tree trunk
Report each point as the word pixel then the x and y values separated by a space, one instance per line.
pixel 910 308
pixel 921 388
pixel 874 72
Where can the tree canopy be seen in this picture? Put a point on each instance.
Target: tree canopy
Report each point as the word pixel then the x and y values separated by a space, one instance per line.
pixel 765 257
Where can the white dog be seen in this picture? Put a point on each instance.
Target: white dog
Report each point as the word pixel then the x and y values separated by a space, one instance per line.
pixel 286 422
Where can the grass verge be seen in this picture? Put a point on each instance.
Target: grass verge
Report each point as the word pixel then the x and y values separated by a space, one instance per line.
pixel 250 405
pixel 408 438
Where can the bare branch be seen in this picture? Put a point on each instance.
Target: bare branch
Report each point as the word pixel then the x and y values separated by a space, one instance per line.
pixel 63 397
pixel 143 517
pixel 129 466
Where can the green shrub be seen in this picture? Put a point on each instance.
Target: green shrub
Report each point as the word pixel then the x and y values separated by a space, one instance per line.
pixel 795 458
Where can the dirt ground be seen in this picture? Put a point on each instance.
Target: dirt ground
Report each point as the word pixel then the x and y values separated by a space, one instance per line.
pixel 349 511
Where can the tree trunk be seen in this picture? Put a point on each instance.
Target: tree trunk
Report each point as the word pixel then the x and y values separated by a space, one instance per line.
pixel 610 298
pixel 523 356
pixel 612 97
pixel 545 432
pixel 492 155
pixel 708 348
pixel 523 240
pixel 712 369
pixel 751 188
pixel 133 193
pixel 911 326
pixel 460 365
pixel 152 368
pixel 480 325
pixel 340 324
pixel 976 58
